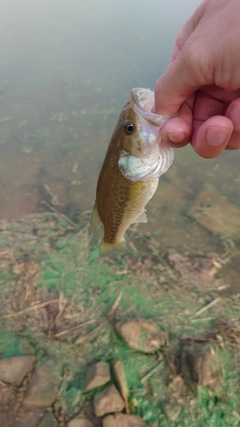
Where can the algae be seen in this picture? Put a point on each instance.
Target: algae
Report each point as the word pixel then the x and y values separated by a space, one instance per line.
pixel 59 301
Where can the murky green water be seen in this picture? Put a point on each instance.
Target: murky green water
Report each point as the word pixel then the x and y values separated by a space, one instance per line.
pixel 66 70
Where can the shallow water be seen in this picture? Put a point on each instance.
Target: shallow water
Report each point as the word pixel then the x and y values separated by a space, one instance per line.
pixel 66 70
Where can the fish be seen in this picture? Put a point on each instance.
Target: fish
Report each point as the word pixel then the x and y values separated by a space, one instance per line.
pixel 135 159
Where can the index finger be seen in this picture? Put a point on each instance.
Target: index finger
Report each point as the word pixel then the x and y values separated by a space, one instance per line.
pixel 182 78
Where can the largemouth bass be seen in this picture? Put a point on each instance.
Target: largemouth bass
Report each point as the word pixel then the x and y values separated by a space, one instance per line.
pixel 134 161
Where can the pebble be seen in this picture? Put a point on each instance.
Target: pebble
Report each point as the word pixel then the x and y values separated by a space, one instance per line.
pixel 14 369
pixel 80 422
pixel 48 420
pixel 97 375
pixel 43 386
pixel 123 420
pixel 107 401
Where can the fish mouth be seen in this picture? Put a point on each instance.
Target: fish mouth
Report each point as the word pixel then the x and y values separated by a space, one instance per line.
pixel 143 100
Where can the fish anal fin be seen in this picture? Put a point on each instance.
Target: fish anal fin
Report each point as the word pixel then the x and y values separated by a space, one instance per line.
pixel 142 217
pixel 95 220
pixel 108 248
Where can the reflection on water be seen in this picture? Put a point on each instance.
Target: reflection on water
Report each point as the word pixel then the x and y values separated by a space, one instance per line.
pixel 66 70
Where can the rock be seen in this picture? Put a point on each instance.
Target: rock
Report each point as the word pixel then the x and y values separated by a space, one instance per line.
pixel 14 369
pixel 29 419
pixel 142 335
pixel 119 374
pixel 210 210
pixel 200 366
pixel 48 420
pixel 80 421
pixel 198 268
pixel 8 419
pixel 107 401
pixel 97 375
pixel 123 420
pixel 43 386
pixel 8 396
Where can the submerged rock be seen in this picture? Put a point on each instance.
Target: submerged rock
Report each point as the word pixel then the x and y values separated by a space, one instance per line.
pixel 200 366
pixel 210 209
pixel 123 420
pixel 119 374
pixel 107 401
pixel 43 386
pixel 80 421
pixel 48 420
pixel 142 335
pixel 97 375
pixel 198 268
pixel 14 369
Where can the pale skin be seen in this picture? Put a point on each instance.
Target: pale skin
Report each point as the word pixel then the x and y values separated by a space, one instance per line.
pixel 202 81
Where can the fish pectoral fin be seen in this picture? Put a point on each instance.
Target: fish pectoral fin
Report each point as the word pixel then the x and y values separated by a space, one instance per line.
pixel 142 217
pixel 108 248
pixel 95 220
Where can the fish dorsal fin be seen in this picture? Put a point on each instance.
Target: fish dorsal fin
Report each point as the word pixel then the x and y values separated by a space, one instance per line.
pixel 142 217
pixel 95 220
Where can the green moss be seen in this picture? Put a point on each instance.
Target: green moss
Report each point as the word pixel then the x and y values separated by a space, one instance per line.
pixel 10 345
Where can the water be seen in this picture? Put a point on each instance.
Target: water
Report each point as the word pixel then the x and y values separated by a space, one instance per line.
pixel 66 70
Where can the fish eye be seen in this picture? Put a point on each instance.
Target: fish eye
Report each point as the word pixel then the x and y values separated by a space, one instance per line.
pixel 129 127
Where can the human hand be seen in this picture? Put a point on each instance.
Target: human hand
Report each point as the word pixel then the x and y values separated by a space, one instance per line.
pixel 203 81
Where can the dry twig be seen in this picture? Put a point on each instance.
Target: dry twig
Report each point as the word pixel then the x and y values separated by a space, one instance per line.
pixel 28 309
pixel 211 304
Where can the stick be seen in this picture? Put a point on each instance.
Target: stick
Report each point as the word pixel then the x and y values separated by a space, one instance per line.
pixel 149 374
pixel 204 319
pixel 83 337
pixel 33 307
pixel 56 211
pixel 74 328
pixel 115 305
pixel 211 304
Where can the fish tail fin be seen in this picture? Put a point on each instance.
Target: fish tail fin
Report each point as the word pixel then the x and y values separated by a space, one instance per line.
pixel 95 220
pixel 107 248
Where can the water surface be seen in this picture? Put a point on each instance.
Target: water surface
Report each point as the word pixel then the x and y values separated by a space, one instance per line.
pixel 66 70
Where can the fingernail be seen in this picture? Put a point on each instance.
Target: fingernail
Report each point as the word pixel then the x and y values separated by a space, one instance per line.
pixel 176 136
pixel 215 135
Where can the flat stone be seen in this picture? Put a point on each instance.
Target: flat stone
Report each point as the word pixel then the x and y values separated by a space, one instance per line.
pixel 107 401
pixel 210 210
pixel 97 375
pixel 48 420
pixel 28 419
pixel 80 422
pixel 199 268
pixel 14 369
pixel 123 420
pixel 43 386
pixel 119 374
pixel 142 335
pixel 200 366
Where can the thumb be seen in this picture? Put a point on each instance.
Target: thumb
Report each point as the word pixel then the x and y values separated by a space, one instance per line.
pixel 182 77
